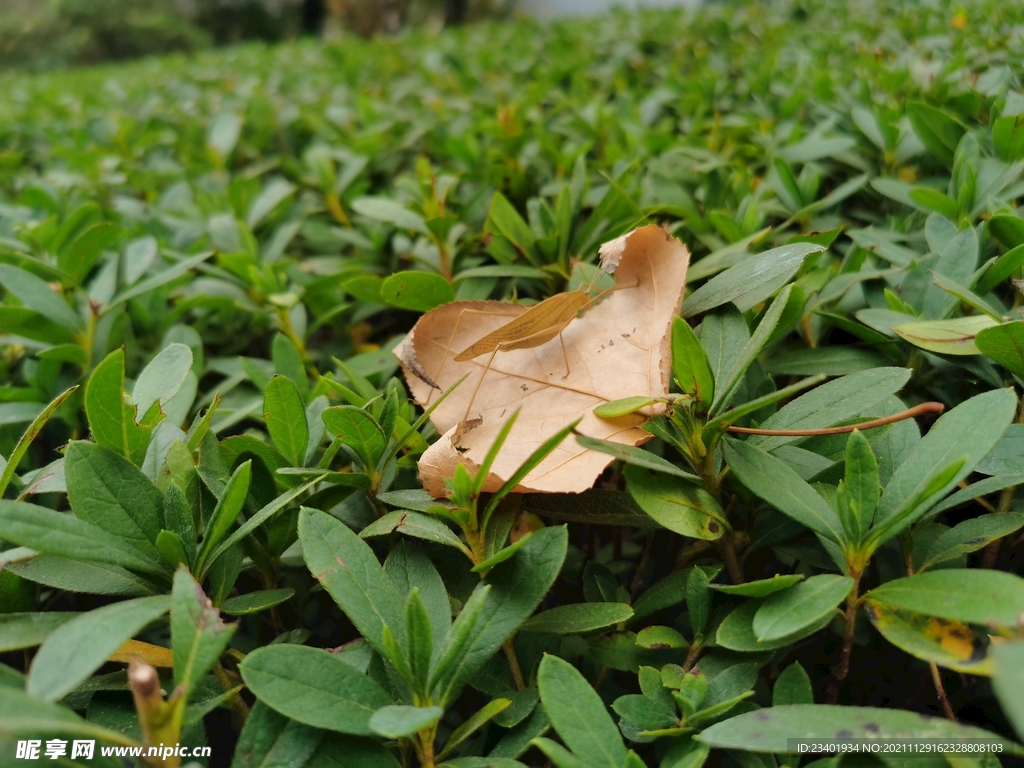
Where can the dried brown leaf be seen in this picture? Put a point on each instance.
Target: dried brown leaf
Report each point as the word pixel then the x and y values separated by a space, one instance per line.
pixel 618 348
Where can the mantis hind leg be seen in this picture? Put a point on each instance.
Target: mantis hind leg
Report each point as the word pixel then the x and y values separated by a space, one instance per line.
pixel 480 382
pixel 565 356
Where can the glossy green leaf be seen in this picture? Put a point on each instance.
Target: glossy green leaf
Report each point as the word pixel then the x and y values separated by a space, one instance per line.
pixel 578 715
pixel 760 588
pixel 578 618
pixel 348 569
pixel 690 364
pixel 786 613
pixel 398 721
pixel 769 730
pixel 777 483
pixel 314 687
pixel 286 419
pixel 198 636
pixel 677 504
pixel 751 281
pixel 1005 344
pixel 960 594
pixel 965 434
pixel 946 337
pixel 417 291
pixel 76 649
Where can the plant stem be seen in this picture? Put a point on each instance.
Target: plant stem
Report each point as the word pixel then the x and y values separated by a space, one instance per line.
pixel 842 669
pixel 940 691
pixel 425 748
pixel 728 548
pixel 988 559
pixel 513 663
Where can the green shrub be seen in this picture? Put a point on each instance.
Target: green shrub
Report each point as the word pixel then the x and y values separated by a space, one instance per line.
pixel 212 461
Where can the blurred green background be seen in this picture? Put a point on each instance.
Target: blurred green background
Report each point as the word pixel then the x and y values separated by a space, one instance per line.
pixel 38 35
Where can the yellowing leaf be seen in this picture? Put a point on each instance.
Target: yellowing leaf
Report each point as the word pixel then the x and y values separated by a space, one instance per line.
pixel 948 643
pixel 618 348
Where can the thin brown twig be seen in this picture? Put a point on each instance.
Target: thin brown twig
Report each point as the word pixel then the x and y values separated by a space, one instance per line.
pixel 910 413
pixel 940 691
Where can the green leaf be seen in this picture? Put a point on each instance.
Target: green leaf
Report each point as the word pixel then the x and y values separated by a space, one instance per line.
pixel 223 134
pixel 472 724
pixel 112 493
pixel 946 337
pixel 229 506
pixel 736 632
pixel 398 721
pixel 939 132
pixel 831 404
pixel 949 644
pixel 786 613
pixel 30 434
pixel 751 281
pixel 26 630
pixel 761 588
pixel 88 577
pixel 634 456
pixel 112 419
pixel 36 294
pixel 338 751
pixel 676 504
pixel 198 636
pixel 161 379
pixel 256 602
pixel 577 619
pixel 271 739
pixel 1008 682
pixel 264 514
pixel 578 715
pixel 769 730
pixel 286 419
pixel 359 431
pixel 777 483
pixel 509 223
pixel 23 714
pixel 172 549
pixel 664 593
pixel 420 638
pixel 698 600
pixel 690 364
pixel 416 291
pixel 857 496
pixel 273 194
pixel 658 638
pixel 960 594
pixel 514 589
pixel 970 536
pixel 347 568
pixel 78 648
pixel 618 408
pixel 1004 344
pixel 1001 269
pixel 173 272
pixel 970 431
pixel 314 687
pixel 414 524
pixel 727 384
pixel 793 686
pixel 559 756
pixel 55 533
pixel 391 211
pixel 933 200
pixel 87 248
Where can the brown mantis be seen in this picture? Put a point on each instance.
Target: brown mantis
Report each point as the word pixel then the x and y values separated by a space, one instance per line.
pixel 536 326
